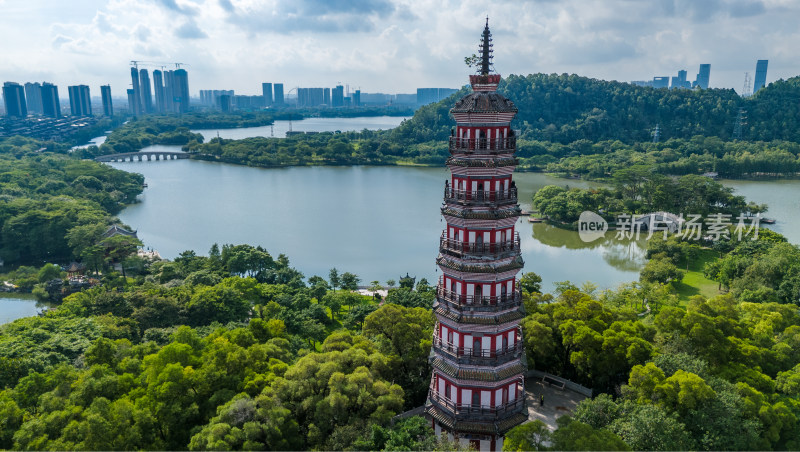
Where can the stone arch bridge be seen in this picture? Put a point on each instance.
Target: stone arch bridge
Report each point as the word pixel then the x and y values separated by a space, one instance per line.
pixel 142 156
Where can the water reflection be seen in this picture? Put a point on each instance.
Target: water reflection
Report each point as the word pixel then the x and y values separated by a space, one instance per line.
pixel 623 254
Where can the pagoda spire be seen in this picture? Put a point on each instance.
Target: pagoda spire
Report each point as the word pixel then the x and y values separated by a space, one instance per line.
pixel 486 49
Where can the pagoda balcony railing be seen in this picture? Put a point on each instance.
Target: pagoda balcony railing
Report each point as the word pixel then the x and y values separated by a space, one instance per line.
pixel 459 248
pixel 479 197
pixel 475 356
pixel 475 411
pixel 479 303
pixel 483 145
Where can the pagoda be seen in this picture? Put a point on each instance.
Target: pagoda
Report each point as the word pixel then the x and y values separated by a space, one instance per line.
pixel 477 390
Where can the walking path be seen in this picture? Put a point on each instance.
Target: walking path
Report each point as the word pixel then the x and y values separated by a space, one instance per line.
pixel 557 402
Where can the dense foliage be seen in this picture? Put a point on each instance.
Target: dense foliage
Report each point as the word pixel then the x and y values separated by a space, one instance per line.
pixel 637 190
pixel 45 196
pixel 567 108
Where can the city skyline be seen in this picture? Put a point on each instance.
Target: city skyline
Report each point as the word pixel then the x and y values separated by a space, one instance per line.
pixel 390 46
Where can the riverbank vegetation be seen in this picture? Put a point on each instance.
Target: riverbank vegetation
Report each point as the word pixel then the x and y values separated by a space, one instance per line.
pixel 637 190
pixel 174 129
pixel 46 197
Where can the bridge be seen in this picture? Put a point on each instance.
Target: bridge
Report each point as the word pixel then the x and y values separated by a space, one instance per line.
pixel 142 156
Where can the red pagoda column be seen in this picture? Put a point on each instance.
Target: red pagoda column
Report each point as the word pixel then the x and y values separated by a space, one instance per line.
pixel 477 390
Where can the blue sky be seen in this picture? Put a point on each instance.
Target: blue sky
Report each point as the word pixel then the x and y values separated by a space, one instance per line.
pixel 391 45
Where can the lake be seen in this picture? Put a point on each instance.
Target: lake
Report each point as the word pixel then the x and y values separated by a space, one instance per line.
pixel 17 305
pixel 279 128
pixel 376 222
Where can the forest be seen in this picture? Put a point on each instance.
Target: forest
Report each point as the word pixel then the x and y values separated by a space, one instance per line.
pixel 238 350
pixel 48 197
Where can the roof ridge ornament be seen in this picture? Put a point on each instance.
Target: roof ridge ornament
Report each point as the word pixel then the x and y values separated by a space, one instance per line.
pixel 486 78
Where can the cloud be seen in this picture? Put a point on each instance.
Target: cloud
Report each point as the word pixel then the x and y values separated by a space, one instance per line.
pixel 190 30
pixel 180 8
pixel 325 16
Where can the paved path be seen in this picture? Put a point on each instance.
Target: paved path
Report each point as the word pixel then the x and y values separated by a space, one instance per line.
pixel 557 402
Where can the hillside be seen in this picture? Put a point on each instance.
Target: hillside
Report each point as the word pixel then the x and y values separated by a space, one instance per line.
pixel 565 108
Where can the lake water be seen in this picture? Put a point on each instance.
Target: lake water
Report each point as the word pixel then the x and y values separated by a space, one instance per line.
pixel 16 305
pixel 279 128
pixel 377 222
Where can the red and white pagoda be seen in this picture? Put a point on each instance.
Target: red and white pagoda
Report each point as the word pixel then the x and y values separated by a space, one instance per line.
pixel 477 388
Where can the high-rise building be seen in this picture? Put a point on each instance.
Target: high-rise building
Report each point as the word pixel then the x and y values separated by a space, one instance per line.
pixel 337 96
pixel 14 100
pixel 169 91
pixel 131 101
pixel 80 103
pixel 278 87
pixel 105 95
pixel 680 81
pixel 147 94
pixel 158 90
pixel 703 77
pixel 326 96
pixel 136 106
pixel 477 386
pixel 357 98
pixel 660 82
pixel 266 91
pixel 761 75
pixel 33 97
pixel 181 91
pixel 427 96
pixel 51 105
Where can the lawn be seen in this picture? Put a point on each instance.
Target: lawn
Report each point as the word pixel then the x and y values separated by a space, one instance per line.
pixel 694 282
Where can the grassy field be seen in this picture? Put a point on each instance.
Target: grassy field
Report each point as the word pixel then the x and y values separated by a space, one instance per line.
pixel 694 282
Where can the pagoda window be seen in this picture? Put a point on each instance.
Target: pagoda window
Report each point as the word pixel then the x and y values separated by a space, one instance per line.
pixel 449 339
pixel 505 395
pixel 503 292
pixel 478 293
pixel 447 389
pixel 476 347
pixel 476 399
pixel 505 342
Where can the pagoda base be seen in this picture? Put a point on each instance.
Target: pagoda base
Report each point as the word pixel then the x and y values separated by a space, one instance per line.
pixel 481 435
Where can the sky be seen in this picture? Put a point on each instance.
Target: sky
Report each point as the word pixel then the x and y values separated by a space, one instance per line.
pixel 391 46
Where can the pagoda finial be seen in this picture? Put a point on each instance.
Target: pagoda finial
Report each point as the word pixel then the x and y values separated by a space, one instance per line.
pixel 486 50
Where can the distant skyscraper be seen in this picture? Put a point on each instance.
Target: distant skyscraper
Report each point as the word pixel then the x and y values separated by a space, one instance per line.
pixel 703 76
pixel 147 94
pixel 51 106
pixel 33 97
pixel 326 96
pixel 761 75
pixel 660 82
pixel 80 102
pixel 337 96
pixel 357 98
pixel 278 93
pixel 427 96
pixel 158 90
pixel 131 101
pixel 105 94
pixel 181 91
pixel 266 91
pixel 136 106
pixel 169 91
pixel 14 99
pixel 680 81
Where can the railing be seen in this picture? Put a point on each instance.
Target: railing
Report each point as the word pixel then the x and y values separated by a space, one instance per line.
pixel 478 303
pixel 464 410
pixel 478 357
pixel 483 145
pixel 459 248
pixel 480 196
